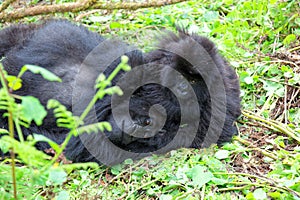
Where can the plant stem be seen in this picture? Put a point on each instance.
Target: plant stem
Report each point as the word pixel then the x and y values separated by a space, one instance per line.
pixel 11 132
pixel 95 98
pixel 63 146
pixel 250 145
pixel 85 113
pixel 274 124
pixel 12 154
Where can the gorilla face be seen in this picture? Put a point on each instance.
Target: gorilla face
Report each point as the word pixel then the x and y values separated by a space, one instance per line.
pixel 146 108
pixel 156 111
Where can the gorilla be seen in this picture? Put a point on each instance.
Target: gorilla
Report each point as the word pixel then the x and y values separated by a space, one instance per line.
pixel 193 101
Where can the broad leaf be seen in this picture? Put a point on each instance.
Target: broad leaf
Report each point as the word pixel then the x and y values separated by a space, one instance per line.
pixel 44 72
pixel 33 110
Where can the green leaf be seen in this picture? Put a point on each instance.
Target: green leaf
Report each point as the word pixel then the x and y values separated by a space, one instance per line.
pixel 139 172
pixel 274 195
pixel 44 72
pixel 289 39
pixel 222 154
pixel 3 131
pixel 150 192
pixel 228 2
pixel 273 87
pixel 63 195
pixel 93 128
pixel 200 175
pixel 4 146
pixel 165 197
pixel 211 15
pixel 33 110
pixel 116 169
pixel 250 196
pixel 14 82
pixel 128 161
pixel 260 194
pixel 71 167
pixel 101 77
pixel 34 158
pixel 214 164
pixel 42 138
pixel 248 80
pixel 219 181
pixel 84 174
pixel 57 176
pixel 115 25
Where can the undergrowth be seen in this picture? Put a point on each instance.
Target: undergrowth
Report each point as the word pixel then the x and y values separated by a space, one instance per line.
pixel 261 40
pixel 41 169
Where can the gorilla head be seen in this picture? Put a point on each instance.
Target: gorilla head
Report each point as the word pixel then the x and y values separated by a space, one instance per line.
pixel 183 94
pixel 149 106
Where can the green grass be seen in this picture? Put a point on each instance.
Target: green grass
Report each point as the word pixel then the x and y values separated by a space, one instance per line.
pixel 261 41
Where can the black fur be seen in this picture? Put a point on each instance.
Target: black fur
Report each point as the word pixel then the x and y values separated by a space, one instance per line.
pixel 61 47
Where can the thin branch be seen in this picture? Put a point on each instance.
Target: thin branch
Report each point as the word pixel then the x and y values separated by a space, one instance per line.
pixel 46 9
pixel 264 152
pixel 294 49
pixel 132 5
pixel 278 126
pixel 5 4
pixel 80 6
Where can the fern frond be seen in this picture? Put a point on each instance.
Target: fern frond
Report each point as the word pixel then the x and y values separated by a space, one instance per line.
pixel 3 131
pixel 64 118
pixel 14 108
pixel 93 128
pixel 4 99
pixel 71 167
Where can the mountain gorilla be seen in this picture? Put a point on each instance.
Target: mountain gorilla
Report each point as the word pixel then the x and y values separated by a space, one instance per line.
pixel 61 47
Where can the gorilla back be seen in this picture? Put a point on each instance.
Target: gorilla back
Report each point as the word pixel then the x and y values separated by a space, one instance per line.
pixel 186 68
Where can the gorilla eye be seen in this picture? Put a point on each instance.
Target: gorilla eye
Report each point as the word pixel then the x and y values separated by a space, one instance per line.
pixel 147 121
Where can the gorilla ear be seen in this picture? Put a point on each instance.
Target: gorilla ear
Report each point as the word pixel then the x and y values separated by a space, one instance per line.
pixel 187 44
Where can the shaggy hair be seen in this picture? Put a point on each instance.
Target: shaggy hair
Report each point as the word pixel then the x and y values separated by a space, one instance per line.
pixel 61 47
